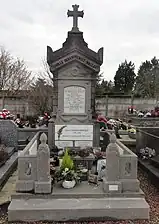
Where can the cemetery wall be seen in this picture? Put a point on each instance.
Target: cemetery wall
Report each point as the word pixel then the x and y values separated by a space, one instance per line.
pixel 112 106
pixel 17 105
pixel 117 106
pixel 147 137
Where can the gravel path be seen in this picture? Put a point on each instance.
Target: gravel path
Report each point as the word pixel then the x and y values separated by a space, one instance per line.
pixel 152 197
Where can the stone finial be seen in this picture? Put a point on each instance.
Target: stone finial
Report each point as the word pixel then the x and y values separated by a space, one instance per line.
pixel 113 138
pixel 100 54
pixel 43 138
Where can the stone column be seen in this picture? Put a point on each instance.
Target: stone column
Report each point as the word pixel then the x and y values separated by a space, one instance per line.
pixel 111 182
pixel 43 182
pixel 51 134
pixel 96 135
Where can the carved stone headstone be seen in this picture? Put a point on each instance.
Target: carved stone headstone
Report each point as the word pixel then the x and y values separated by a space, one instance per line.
pixel 75 68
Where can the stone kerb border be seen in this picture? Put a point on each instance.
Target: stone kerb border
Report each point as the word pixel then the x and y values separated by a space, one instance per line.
pixel 126 170
pixel 126 150
pixel 34 168
pixel 128 163
pixel 147 137
pixel 122 147
pixel 28 133
pixel 29 145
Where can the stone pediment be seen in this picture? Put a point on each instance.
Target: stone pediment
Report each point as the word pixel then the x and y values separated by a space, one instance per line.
pixel 72 57
pixel 74 48
pixel 76 70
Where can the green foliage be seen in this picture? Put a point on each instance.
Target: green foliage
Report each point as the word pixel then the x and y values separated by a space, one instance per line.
pixel 67 170
pixel 147 81
pixel 125 77
pixel 67 161
pixel 104 87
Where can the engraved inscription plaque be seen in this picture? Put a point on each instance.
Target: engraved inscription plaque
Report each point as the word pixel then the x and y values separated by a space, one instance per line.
pixel 83 144
pixel 74 100
pixel 74 132
pixel 63 144
pixel 113 187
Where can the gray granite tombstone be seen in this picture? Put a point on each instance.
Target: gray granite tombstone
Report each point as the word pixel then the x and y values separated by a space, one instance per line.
pixel 8 133
pixel 75 68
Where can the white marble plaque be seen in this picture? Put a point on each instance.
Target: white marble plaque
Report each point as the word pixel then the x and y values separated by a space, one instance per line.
pixel 74 100
pixel 74 132
pixel 113 187
pixel 83 144
pixel 63 144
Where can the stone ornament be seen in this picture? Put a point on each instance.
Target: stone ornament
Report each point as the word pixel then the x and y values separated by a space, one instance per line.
pixel 75 14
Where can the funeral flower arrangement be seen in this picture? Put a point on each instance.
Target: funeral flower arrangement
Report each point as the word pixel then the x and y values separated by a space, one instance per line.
pixel 147 153
pixel 67 171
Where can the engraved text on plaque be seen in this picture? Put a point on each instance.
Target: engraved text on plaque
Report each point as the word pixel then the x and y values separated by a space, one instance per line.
pixel 74 100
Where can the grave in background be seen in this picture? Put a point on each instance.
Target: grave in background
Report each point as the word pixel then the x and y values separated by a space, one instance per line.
pixel 145 122
pixel 8 149
pixel 148 137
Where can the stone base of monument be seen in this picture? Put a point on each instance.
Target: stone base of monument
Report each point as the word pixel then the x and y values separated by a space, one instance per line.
pixel 84 202
pixel 43 187
pixel 113 187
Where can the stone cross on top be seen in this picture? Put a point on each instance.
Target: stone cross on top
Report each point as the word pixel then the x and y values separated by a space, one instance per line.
pixel 75 14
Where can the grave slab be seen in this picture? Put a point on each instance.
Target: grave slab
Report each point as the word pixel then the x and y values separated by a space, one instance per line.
pixel 82 209
pixel 7 168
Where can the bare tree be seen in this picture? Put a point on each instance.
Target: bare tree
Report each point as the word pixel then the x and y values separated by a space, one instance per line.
pixel 47 75
pixel 41 96
pixel 42 90
pixel 14 75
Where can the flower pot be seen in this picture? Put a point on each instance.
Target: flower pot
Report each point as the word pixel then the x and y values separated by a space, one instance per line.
pixel 68 184
pixel 132 135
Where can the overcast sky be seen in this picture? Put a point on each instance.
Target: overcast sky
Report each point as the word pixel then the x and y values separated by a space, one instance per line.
pixel 127 29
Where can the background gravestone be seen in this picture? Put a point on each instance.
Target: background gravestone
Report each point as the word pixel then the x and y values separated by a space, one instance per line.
pixel 8 133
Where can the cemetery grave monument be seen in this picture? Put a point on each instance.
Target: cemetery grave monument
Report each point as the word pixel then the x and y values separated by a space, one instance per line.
pixel 75 68
pixel 118 196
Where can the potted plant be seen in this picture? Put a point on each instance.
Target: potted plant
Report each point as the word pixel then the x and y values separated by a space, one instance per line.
pixel 132 133
pixel 67 173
